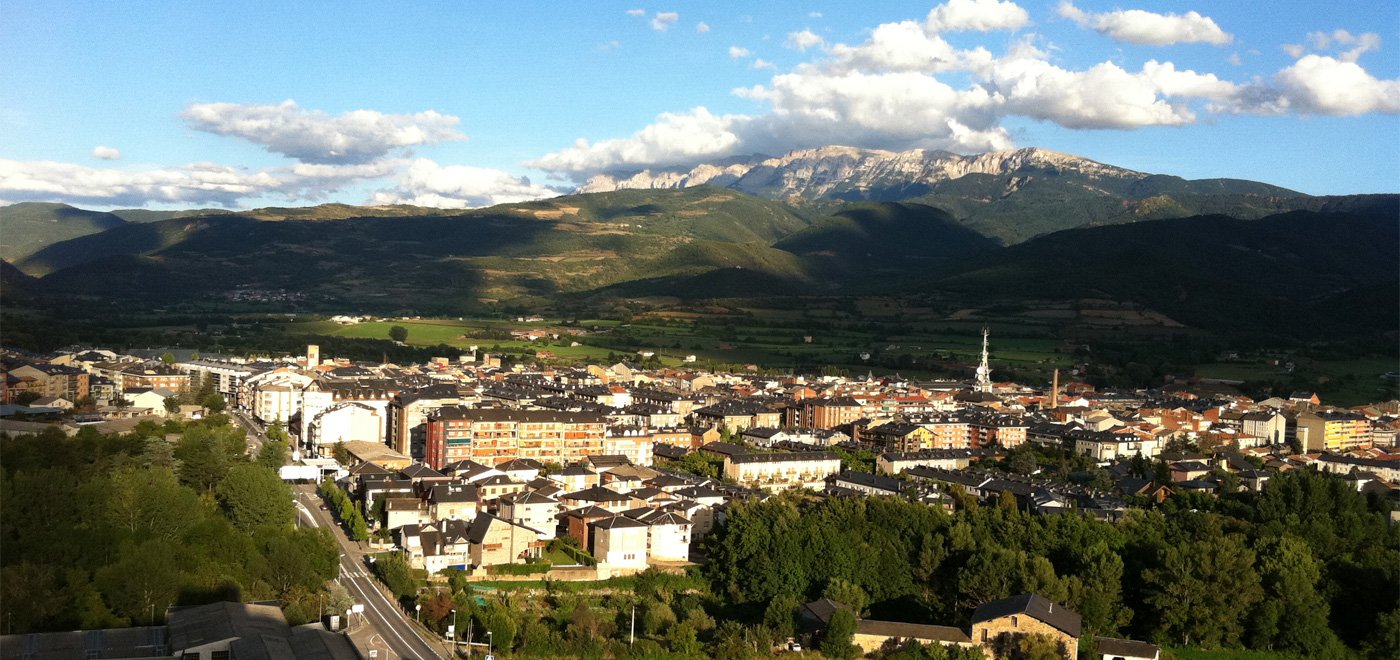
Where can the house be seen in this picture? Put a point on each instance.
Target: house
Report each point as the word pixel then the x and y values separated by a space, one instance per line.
pixel 576 477
pixel 521 469
pixel 493 541
pixel 437 545
pixel 453 501
pixel 576 523
pixel 668 536
pixel 245 630
pixel 1188 471
pixel 782 470
pixel 620 542
pixel 400 511
pixel 871 635
pixel 530 509
pixel 864 482
pixel 996 625
pixel 1108 648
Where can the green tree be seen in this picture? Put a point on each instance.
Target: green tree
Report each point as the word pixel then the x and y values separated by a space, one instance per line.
pixel 254 495
pixel 781 615
pixel 397 575
pixel 213 402
pixel 836 639
pixel 340 453
pixel 205 457
pixel 1202 591
pixel 274 454
pixel 398 333
pixel 843 591
pixel 172 404
pixel 151 503
pixel 683 641
pixel 144 580
pixel 1293 615
pixel 27 397
pixel 168 358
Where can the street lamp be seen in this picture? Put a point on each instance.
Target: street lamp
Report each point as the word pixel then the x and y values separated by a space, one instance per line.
pixel 490 645
pixel 418 612
pixel 452 627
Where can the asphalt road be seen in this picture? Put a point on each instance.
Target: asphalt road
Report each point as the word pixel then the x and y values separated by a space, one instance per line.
pixel 390 624
pixel 255 432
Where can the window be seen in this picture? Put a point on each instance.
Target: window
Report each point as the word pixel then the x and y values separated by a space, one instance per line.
pixel 1014 623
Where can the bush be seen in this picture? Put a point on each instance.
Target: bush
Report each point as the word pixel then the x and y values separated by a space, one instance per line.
pixel 519 569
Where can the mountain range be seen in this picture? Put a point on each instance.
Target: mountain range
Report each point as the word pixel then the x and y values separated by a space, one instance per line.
pixel 1222 255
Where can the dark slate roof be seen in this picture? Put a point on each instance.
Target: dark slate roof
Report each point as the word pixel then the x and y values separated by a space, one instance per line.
pixel 946 634
pixel 785 457
pixel 822 609
pixel 869 480
pixel 724 448
pixel 421 471
pixel 1125 647
pixel 1034 605
pixel 597 494
pixel 617 522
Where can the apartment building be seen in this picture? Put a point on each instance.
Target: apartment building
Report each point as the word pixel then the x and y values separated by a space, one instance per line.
pixel 490 436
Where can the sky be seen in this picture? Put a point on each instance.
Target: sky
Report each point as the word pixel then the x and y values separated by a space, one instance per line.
pixel 464 104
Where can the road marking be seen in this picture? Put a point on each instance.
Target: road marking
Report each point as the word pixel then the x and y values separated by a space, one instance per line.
pixel 368 601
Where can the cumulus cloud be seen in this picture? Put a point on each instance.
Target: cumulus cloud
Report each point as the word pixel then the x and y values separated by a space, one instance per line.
pixel 1346 46
pixel 979 15
pixel 663 20
pixel 636 12
pixel 906 46
pixel 313 136
pixel 199 183
pixel 702 27
pixel 1144 27
pixel 106 153
pixel 674 138
pixel 738 52
pixel 760 63
pixel 804 40
pixel 1318 84
pixel 426 183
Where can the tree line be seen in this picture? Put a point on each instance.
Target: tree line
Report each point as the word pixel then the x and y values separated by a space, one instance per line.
pixel 1308 566
pixel 108 531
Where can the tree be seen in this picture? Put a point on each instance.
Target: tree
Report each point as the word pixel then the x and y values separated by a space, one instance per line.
pixel 151 503
pixel 254 495
pixel 836 640
pixel 172 404
pixel 274 454
pixel 398 333
pixel 781 615
pixel 213 402
pixel 168 358
pixel 27 397
pixel 340 453
pixel 1202 590
pixel 847 593
pixel 1293 615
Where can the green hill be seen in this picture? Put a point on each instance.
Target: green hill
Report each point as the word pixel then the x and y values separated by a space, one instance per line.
pixel 28 227
pixel 1289 273
pixel 547 248
pixel 871 238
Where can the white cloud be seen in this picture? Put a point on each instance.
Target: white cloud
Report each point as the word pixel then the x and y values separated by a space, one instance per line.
pixel 814 14
pixel 702 27
pixel 804 40
pixel 1318 84
pixel 738 52
pixel 106 153
pixel 636 12
pixel 313 136
pixel 1234 59
pixel 426 183
pixel 1144 27
pixel 199 183
pixel 672 139
pixel 1355 44
pixel 1294 51
pixel 979 15
pixel 760 63
pixel 906 46
pixel 663 20
pixel 609 46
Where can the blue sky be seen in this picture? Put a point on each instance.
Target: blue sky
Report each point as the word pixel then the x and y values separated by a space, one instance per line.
pixel 242 104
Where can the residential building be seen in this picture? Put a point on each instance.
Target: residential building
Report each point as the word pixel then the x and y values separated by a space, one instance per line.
pixel 1333 431
pixel 996 625
pixel 620 542
pixel 805 468
pixel 490 435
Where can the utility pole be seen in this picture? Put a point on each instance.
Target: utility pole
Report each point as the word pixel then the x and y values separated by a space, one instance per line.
pixel 632 634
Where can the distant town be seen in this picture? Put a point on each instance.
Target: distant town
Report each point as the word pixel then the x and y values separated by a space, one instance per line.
pixel 484 473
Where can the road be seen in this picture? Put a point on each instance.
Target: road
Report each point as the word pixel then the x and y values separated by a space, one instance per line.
pixel 256 438
pixel 392 627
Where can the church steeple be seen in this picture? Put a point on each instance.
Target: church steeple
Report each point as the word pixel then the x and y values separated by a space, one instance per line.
pixel 984 372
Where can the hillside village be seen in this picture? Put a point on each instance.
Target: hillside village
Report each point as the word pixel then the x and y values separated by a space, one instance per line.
pixel 447 454
pixel 589 472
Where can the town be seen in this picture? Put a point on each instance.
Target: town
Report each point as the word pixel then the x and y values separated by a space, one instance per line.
pixel 468 470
